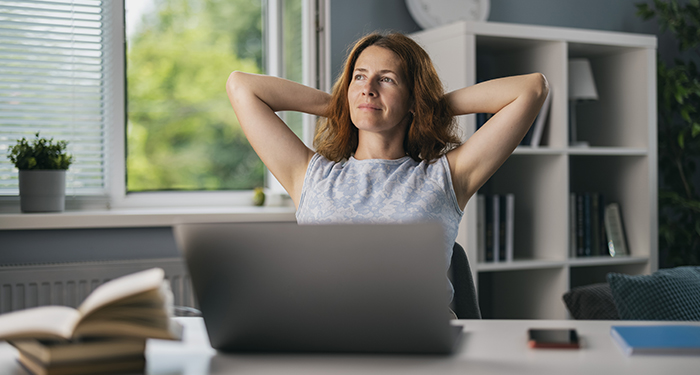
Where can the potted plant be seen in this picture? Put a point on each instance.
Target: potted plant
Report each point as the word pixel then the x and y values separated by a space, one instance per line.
pixel 42 168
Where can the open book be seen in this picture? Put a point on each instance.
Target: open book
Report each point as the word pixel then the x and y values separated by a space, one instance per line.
pixel 135 305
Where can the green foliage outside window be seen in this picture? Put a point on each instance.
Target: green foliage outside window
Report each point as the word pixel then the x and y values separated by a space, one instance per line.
pixel 181 131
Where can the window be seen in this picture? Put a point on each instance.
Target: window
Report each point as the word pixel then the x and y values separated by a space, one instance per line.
pixel 170 126
pixel 53 57
pixel 181 131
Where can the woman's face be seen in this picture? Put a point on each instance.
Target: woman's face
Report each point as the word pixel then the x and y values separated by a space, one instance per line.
pixel 378 94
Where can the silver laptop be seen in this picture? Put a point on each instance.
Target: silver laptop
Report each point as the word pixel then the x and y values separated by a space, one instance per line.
pixel 281 287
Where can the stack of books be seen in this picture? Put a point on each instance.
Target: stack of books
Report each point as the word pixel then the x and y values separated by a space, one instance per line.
pixel 81 356
pixel 495 227
pixel 107 333
pixel 596 227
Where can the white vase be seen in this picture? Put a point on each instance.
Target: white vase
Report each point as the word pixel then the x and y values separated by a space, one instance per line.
pixel 42 190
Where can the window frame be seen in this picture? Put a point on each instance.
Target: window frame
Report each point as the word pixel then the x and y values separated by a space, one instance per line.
pixel 316 64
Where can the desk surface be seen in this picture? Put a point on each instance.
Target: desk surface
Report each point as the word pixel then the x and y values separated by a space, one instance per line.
pixel 488 347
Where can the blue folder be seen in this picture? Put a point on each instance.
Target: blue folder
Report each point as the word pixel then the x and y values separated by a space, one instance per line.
pixel 658 339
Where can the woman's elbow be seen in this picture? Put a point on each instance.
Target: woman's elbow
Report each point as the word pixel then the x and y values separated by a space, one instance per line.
pixel 235 84
pixel 539 85
pixel 233 80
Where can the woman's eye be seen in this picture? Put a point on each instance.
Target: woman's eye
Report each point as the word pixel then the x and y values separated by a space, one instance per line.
pixel 358 77
pixel 387 79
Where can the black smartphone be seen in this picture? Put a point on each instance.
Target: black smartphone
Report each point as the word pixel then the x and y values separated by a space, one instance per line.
pixel 553 338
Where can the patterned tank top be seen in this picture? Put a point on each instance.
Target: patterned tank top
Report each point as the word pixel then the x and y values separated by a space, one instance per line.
pixel 380 191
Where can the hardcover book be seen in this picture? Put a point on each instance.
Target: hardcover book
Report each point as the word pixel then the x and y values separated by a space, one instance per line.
pixel 481 227
pixel 533 137
pixel 136 364
pixel 496 217
pixel 53 352
pixel 510 226
pixel 489 230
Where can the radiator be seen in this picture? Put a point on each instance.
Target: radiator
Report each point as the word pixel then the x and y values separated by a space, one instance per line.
pixel 68 284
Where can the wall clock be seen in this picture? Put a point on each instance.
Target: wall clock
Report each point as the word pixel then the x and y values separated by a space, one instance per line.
pixel 432 13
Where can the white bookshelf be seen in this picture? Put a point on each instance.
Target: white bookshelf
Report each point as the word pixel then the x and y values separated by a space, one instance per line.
pixel 621 162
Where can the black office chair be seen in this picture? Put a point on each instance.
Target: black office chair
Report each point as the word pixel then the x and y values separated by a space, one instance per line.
pixel 464 302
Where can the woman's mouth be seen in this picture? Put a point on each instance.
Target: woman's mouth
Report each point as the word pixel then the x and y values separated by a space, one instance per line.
pixel 369 107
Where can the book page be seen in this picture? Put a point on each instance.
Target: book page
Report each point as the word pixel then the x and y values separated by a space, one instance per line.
pixel 170 330
pixel 39 322
pixel 122 287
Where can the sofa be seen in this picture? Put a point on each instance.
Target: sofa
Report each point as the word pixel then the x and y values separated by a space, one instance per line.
pixel 667 294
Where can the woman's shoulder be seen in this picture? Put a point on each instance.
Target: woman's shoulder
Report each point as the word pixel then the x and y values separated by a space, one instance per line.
pixel 436 171
pixel 321 167
pixel 319 161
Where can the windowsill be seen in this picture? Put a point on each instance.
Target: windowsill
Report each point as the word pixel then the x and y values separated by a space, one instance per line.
pixel 142 217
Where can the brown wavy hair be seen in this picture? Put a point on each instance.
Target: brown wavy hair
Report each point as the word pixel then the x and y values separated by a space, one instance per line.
pixel 432 130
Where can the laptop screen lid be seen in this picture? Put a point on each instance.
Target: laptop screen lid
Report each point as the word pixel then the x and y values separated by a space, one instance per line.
pixel 320 288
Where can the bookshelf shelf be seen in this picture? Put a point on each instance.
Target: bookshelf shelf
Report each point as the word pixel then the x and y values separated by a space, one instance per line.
pixel 619 163
pixel 527 150
pixel 520 265
pixel 606 261
pixel 608 151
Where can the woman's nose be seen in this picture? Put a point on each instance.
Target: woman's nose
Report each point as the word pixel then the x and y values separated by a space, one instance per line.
pixel 368 89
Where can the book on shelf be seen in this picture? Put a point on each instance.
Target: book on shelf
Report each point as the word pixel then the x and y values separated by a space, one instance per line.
pixel 489 230
pixel 579 228
pixel 496 208
pixel 510 226
pixel 502 228
pixel 588 235
pixel 136 305
pixel 587 225
pixel 615 231
pixel 533 137
pixel 657 339
pixel 572 226
pixel 495 227
pixel 481 227
pixel 595 224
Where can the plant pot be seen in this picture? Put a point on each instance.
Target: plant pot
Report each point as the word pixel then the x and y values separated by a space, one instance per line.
pixel 42 190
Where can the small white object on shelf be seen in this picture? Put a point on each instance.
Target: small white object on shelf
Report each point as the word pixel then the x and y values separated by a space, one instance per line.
pixel 617 243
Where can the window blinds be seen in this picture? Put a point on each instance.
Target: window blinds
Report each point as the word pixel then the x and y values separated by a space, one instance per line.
pixel 52 81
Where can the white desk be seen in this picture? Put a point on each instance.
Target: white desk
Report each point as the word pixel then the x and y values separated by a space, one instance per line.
pixel 488 347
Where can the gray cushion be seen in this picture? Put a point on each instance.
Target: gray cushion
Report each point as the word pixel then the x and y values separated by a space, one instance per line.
pixel 668 294
pixel 591 302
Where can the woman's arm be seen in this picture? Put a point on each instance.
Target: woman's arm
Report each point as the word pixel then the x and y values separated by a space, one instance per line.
pixel 255 99
pixel 515 102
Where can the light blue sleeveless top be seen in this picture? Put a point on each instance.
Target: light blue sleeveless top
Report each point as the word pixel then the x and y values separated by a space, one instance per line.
pixel 380 191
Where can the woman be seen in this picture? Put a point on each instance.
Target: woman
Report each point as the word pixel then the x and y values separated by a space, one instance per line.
pixel 386 151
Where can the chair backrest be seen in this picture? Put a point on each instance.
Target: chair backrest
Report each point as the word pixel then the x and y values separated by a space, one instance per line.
pixel 464 302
